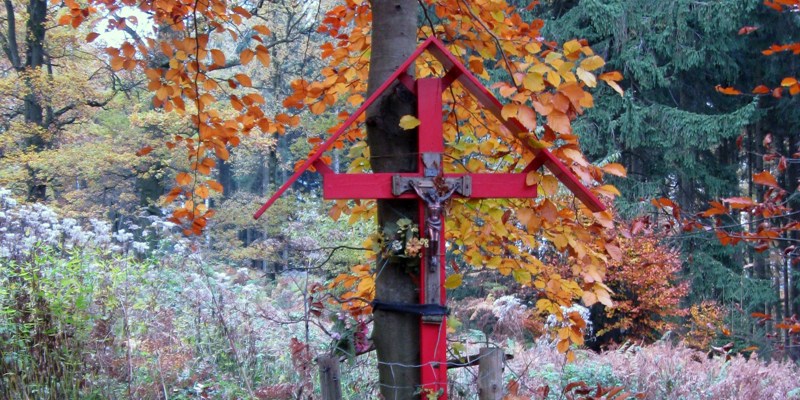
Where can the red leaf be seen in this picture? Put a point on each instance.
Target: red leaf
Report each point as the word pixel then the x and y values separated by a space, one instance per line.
pixel 767 140
pixel 739 202
pixel 746 30
pixel 761 89
pixel 782 164
pixel 144 151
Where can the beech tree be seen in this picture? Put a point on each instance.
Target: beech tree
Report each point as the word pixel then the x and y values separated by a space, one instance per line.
pixel 545 87
pixel 44 89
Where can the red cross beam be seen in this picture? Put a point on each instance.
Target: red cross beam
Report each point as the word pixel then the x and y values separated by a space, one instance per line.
pixel 430 186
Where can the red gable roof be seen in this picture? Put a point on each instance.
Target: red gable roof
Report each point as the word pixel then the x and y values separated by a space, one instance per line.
pixel 455 71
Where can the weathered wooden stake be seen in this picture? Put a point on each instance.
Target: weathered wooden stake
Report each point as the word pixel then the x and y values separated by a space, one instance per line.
pixel 490 374
pixel 329 378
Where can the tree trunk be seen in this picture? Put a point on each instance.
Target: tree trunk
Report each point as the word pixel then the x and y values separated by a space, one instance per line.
pixel 396 336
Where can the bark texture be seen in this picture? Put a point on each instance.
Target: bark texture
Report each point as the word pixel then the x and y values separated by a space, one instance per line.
pixel 392 149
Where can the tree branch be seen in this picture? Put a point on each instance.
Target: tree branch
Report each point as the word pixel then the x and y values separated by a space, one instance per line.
pixel 10 42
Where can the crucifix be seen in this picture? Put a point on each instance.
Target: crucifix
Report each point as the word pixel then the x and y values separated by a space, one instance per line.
pixel 432 188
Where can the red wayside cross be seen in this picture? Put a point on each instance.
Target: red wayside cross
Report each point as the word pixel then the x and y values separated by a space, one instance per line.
pixel 432 187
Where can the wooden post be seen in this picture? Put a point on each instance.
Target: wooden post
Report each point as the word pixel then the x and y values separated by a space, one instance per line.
pixel 329 378
pixel 490 374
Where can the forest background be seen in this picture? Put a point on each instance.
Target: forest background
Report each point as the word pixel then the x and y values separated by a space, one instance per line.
pixel 107 292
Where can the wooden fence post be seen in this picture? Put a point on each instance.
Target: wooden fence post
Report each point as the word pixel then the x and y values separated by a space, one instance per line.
pixel 490 374
pixel 329 378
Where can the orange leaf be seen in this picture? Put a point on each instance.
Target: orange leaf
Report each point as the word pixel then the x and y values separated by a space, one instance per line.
pixel 760 89
pixel 527 117
pixel 263 55
pixel 788 81
pixel 117 63
pixel 221 152
pixel 65 19
pixel 218 57
pixel 201 191
pixel 246 56
pixel 261 29
pixel 717 208
pixel 611 76
pixel 91 37
pixel 727 90
pixel 765 178
pixel 183 178
pixel 244 80
pixel 559 122
pixel 215 186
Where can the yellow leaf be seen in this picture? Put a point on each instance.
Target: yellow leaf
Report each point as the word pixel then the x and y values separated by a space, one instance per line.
pixel 498 16
pixel 409 122
pixel 615 169
pixel 587 77
pixel 533 82
pixel 572 46
pixel 617 88
pixel 554 78
pixel 545 306
pixel 592 63
pixel 549 184
pixel 608 191
pixel 522 276
pixel 367 285
pixel 453 281
pixel 611 79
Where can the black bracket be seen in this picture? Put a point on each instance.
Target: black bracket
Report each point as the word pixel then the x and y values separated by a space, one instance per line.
pixel 423 310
